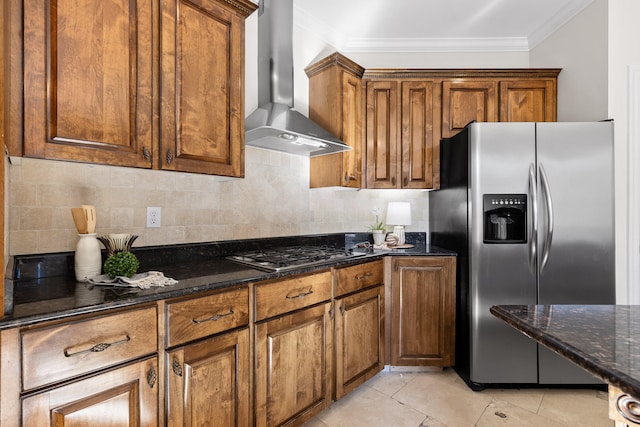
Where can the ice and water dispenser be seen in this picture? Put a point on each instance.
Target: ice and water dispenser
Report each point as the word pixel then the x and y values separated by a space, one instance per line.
pixel 505 218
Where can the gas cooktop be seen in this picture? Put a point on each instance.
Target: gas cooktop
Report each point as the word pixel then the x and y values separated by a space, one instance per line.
pixel 288 258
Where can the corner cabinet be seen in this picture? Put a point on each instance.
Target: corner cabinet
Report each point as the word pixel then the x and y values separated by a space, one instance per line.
pixel 93 93
pixel 422 310
pixel 335 88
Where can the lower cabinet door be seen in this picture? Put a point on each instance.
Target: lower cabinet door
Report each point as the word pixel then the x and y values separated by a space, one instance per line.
pixel 359 326
pixel 126 396
pixel 208 382
pixel 293 367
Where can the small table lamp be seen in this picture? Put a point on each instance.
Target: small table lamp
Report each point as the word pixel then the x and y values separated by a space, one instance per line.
pixel 399 215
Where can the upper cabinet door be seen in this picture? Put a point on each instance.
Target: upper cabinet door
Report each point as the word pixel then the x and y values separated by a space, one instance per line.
pixel 466 101
pixel 87 81
pixel 528 101
pixel 382 136
pixel 202 87
pixel 417 146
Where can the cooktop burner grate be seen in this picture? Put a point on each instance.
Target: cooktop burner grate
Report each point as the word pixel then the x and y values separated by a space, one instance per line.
pixel 277 259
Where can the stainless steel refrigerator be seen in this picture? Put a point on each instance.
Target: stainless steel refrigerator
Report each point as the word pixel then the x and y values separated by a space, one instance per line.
pixel 529 207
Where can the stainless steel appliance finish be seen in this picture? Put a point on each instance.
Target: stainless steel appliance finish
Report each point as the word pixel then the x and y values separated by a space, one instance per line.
pixel 287 258
pixel 564 174
pixel 275 125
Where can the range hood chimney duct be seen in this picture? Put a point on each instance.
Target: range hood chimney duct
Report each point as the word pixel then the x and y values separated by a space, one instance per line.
pixel 275 125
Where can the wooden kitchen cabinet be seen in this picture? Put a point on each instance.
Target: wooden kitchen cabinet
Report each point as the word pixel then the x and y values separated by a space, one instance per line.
pixel 88 81
pixel 208 382
pixel 208 379
pixel 465 101
pixel 507 95
pixel 422 311
pixel 202 86
pixel 407 111
pixel 93 93
pixel 359 325
pixel 101 370
pixel 293 358
pixel 400 124
pixel 335 103
pixel 126 396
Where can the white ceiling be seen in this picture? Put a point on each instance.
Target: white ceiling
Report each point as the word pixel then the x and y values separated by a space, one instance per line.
pixel 434 25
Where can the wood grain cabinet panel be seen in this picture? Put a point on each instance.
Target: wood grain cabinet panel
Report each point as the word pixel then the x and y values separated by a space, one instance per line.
pixel 382 134
pixel 66 350
pixel 87 81
pixel 150 84
pixel 278 297
pixel 208 382
pixel 202 86
pixel 127 396
pixel 464 101
pixel 528 101
pixel 336 104
pixel 417 135
pixel 293 366
pixel 422 311
pixel 194 318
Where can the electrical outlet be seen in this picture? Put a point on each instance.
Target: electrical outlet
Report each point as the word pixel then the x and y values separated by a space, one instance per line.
pixel 153 217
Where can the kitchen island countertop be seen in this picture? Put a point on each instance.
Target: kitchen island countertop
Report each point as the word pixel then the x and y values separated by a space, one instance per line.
pixel 603 339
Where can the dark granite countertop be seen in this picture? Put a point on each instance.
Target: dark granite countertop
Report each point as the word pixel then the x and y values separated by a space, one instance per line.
pixel 603 339
pixel 43 287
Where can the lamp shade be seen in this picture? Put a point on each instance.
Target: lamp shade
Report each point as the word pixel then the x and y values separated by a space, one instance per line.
pixel 399 213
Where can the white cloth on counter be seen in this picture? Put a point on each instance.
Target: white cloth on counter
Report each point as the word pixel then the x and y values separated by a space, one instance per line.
pixel 142 280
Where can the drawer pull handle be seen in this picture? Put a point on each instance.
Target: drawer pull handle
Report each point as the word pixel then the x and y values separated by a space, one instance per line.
pixel 213 318
pixel 94 348
pixel 363 276
pixel 300 295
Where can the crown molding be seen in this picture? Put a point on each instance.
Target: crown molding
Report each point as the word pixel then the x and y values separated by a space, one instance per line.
pixel 437 44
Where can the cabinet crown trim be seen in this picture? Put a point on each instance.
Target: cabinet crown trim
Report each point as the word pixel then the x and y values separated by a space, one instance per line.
pixel 387 73
pixel 334 59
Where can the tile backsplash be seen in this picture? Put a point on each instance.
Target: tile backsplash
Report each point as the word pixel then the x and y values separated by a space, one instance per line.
pixel 272 200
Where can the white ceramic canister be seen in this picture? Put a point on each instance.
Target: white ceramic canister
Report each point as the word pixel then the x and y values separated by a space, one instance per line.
pixel 88 259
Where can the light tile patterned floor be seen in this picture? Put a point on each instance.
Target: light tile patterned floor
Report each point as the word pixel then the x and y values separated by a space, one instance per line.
pixel 442 399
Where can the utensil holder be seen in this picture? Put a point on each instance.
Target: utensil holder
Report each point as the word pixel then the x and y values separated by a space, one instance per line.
pixel 88 257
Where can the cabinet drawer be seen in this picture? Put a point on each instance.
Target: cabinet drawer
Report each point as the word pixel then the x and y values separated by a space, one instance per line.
pixel 280 297
pixel 69 349
pixel 354 278
pixel 200 317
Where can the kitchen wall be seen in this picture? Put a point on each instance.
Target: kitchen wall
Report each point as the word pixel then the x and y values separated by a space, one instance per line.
pixel 580 49
pixel 273 200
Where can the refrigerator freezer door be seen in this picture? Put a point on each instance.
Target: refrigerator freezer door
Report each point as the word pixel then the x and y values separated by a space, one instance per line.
pixel 501 155
pixel 577 160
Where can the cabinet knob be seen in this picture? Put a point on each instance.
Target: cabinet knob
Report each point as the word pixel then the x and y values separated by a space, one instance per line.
pixel 169 156
pixel 151 377
pixel 628 408
pixel 405 182
pixel 177 367
pixel 300 295
pixel 393 181
pixel 213 318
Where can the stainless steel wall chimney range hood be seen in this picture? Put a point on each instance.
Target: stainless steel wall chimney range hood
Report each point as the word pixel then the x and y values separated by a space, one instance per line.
pixel 275 125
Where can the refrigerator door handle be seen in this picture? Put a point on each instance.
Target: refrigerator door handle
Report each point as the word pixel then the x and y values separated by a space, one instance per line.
pixel 533 194
pixel 546 192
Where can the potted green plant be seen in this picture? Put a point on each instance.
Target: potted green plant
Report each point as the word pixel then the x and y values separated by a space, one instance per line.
pixel 377 229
